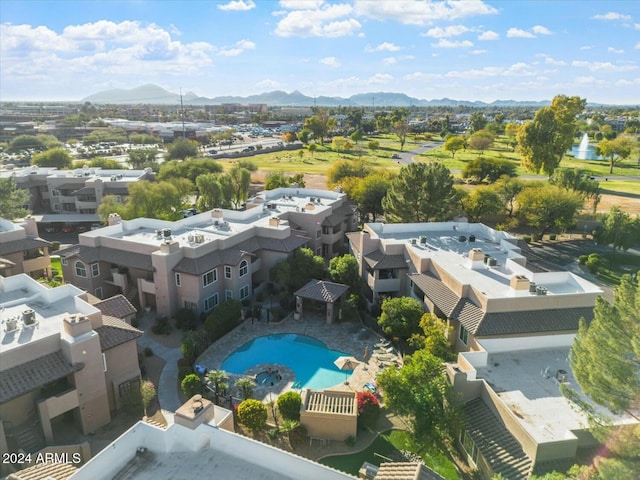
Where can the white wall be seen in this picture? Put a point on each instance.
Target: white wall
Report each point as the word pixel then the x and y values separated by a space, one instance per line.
pixel 511 344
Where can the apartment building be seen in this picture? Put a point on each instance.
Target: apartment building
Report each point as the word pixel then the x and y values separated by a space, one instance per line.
pixel 200 261
pixel 513 323
pixel 73 195
pixel 22 250
pixel 62 363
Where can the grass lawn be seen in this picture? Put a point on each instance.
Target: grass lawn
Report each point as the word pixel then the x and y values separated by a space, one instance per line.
pixel 55 263
pixel 386 444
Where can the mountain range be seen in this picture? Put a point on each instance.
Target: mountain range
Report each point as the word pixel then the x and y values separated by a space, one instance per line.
pixel 153 94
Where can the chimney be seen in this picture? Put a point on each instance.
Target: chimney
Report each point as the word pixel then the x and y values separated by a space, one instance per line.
pixel 76 325
pixel 114 219
pixel 274 221
pixel 310 206
pixel 520 282
pixel 217 213
pixel 477 258
pixel 30 226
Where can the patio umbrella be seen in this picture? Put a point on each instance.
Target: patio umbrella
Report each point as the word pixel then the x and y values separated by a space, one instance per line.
pixel 346 363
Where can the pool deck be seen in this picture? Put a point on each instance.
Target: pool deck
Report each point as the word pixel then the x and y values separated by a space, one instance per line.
pixel 349 337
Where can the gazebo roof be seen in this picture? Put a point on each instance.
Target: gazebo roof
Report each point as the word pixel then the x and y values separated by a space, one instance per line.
pixel 322 291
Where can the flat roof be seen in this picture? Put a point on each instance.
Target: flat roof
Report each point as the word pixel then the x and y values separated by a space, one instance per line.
pixel 527 382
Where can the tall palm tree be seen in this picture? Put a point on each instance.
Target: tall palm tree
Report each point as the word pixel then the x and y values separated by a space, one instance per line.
pixel 246 386
pixel 218 380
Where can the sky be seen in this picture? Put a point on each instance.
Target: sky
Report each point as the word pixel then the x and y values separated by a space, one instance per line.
pixel 461 49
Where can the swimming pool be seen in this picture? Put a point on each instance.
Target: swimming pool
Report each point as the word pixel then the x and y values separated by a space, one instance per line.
pixel 310 359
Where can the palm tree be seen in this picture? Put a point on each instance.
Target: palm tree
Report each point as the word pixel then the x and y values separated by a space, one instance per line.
pixel 218 381
pixel 287 427
pixel 246 386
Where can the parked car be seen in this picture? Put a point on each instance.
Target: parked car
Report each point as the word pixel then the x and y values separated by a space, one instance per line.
pixel 67 229
pixel 395 156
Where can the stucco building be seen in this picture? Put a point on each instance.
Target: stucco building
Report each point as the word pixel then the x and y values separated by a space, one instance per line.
pixel 22 250
pixel 200 261
pixel 61 363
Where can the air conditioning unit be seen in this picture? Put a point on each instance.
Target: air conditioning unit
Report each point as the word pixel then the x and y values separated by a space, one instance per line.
pixel 472 238
pixel 492 262
pixel 414 241
pixel 158 234
pixel 532 287
pixel 114 178
pixel 423 240
pixel 166 232
pixel 28 317
pixel 540 290
pixel 11 324
pixel 312 199
pixel 199 238
pixel 190 238
pixel 462 238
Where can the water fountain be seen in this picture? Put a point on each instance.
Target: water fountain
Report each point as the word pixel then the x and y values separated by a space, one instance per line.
pixel 583 149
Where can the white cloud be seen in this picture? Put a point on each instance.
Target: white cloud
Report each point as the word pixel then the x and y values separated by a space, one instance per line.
pixel 483 72
pixel 519 69
pixel 603 66
pixel 443 43
pixel 614 50
pixel 268 83
pixel 421 76
pixel 449 31
pixel 330 61
pixel 324 21
pixel 390 61
pixel 301 4
pixel 551 61
pixel 488 35
pixel 238 6
pixel 540 30
pixel 239 47
pixel 421 12
pixel 519 33
pixel 379 78
pixel 479 52
pixel 383 47
pixel 636 26
pixel 637 47
pixel 612 16
pixel 586 47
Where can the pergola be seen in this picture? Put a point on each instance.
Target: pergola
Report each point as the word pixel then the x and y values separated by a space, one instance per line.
pixel 321 291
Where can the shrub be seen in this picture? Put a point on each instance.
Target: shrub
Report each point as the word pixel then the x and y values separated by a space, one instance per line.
pixel 162 326
pixel 368 408
pixel 185 319
pixel 582 259
pixel 253 414
pixel 183 372
pixel 593 263
pixel 223 319
pixel 147 393
pixel 55 246
pixel 350 441
pixel 54 273
pixel 148 351
pixel 289 405
pixel 526 238
pixel 191 385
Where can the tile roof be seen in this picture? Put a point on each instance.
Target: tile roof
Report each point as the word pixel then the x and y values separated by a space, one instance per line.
pixel 34 374
pixel 406 471
pixel 23 244
pixel 468 315
pixel 111 255
pixel 117 306
pixel 114 332
pixel 496 444
pixel 322 291
pixel 442 296
pixel 45 471
pixel 530 321
pixel 378 260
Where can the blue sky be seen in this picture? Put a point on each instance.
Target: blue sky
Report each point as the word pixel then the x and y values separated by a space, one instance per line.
pixel 461 49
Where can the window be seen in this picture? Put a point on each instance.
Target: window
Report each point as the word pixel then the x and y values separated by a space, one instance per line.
pixel 210 277
pixel 227 271
pixel 190 305
pixel 81 270
pixel 469 446
pixel 95 269
pixel 178 280
pixel 64 262
pixel 98 292
pixel 132 385
pixel 104 362
pixel 211 302
pixel 318 233
pixel 319 251
pixel 464 334
pixel 244 292
pixel 228 295
pixel 244 268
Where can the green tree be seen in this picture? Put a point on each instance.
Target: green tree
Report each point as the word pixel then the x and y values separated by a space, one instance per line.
pixel 619 229
pixel 477 121
pixel 117 135
pixel 55 157
pixel 544 141
pixel 401 128
pixel 481 140
pixel 312 147
pixel 481 203
pixel 289 404
pixel 356 136
pixel 549 206
pixel 218 381
pixel 190 169
pixel 345 270
pixel 191 385
pixel 24 142
pixel 509 188
pixel 434 337
pixel 576 180
pixel 298 269
pixel 319 125
pixel 453 144
pixel 253 414
pixel 482 169
pixel 304 135
pixel 181 149
pixel 373 145
pixel 212 193
pixel 421 192
pixel 142 156
pixel 246 387
pixel 275 180
pixel 400 316
pixel 12 199
pixel 429 407
pixel 238 180
pixel 147 393
pixel 617 150
pixel 338 143
pixel 369 193
pixel 344 168
pixel 104 163
pixel 163 200
pixel 144 139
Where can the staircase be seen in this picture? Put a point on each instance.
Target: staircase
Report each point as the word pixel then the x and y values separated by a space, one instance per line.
pixel 132 295
pixel 29 439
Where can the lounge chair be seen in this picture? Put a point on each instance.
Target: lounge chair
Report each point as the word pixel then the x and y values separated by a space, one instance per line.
pixel 370 386
pixel 383 344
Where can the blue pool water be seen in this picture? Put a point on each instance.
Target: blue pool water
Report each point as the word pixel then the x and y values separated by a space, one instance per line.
pixel 309 358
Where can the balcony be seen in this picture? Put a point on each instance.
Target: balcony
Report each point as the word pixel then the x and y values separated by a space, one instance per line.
pixel 146 286
pixel 35 264
pixel 383 285
pixel 119 278
pixel 60 403
pixel 80 205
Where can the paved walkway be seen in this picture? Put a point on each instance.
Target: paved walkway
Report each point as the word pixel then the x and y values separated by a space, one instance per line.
pixel 167 390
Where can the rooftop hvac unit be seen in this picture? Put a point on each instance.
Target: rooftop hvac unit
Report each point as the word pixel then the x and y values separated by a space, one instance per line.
pixel 312 199
pixel 532 287
pixel 28 317
pixel 414 241
pixel 540 290
pixel 113 178
pixel 492 262
pixel 290 197
pixel 166 232
pixel 561 376
pixel 216 222
pixel 462 238
pixel 423 240
pixel 11 324
pixel 158 234
pixel 472 238
pixel 199 238
pixel 318 200
pixel 190 238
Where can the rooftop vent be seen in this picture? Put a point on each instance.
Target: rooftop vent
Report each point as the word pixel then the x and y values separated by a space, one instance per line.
pixel 462 238
pixel 166 232
pixel 11 324
pixel 540 290
pixel 561 376
pixel 492 262
pixel 28 317
pixel 158 234
pixel 423 240
pixel 198 237
pixel 414 241
pixel 532 287
pixel 472 238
